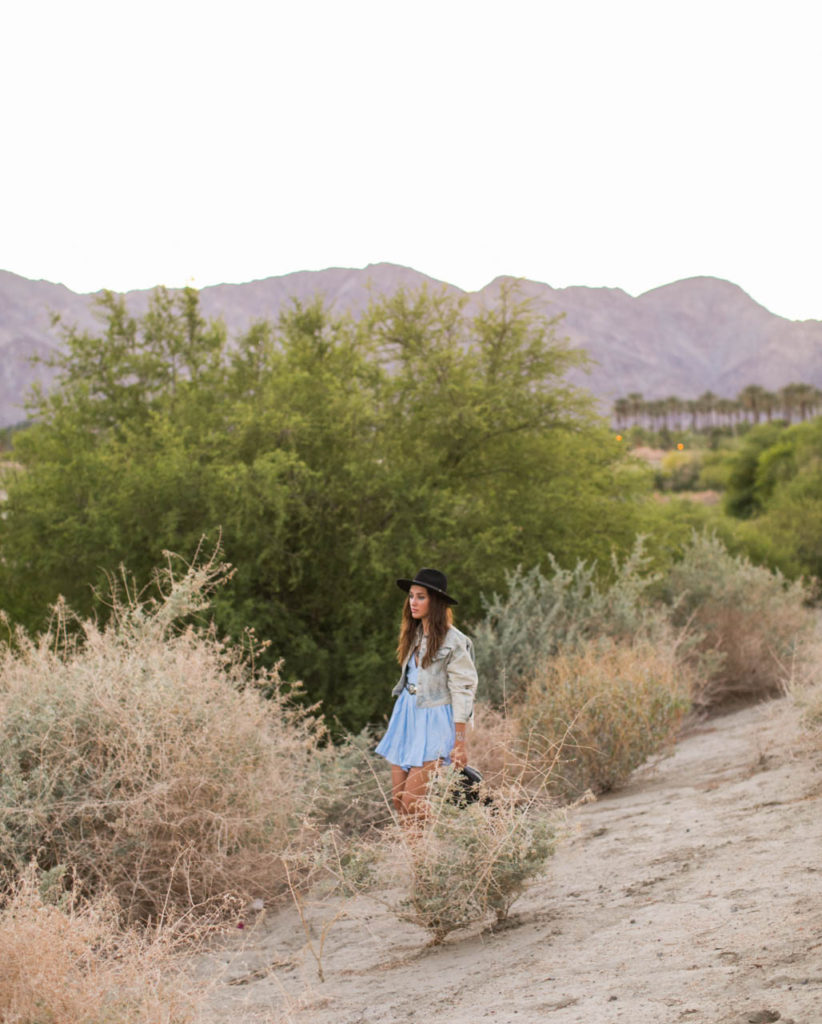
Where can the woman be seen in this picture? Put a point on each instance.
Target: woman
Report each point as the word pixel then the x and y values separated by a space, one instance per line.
pixel 435 693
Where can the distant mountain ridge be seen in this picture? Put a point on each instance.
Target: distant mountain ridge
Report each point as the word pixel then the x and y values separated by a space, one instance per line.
pixel 681 339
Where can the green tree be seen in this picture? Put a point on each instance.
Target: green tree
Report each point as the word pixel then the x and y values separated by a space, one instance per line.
pixel 788 495
pixel 327 456
pixel 741 497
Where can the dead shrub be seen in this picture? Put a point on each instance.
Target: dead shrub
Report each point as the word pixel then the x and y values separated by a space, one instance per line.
pixel 71 964
pixel 594 714
pixel 493 745
pixel 147 760
pixel 507 759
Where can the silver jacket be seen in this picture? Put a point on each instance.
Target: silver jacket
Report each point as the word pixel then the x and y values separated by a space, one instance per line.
pixel 451 678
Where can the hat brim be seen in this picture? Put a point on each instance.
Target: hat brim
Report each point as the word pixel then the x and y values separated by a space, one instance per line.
pixel 406 585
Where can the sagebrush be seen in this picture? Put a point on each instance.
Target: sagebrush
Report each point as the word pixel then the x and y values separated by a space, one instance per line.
pixel 469 864
pixel 543 612
pixel 352 794
pixel 457 866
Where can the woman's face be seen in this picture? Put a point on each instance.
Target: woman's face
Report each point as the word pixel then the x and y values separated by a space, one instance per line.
pixel 419 601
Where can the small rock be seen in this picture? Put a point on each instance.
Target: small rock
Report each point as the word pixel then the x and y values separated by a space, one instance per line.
pixel 764 1017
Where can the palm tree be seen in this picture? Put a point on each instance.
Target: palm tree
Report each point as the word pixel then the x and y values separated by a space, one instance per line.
pixel 637 405
pixel 622 409
pixel 752 399
pixel 675 407
pixel 770 403
pixel 658 413
pixel 788 400
pixel 728 408
pixel 707 405
pixel 806 399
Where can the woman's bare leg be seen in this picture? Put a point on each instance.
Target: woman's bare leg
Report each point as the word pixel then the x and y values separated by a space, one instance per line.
pixel 398 777
pixel 415 790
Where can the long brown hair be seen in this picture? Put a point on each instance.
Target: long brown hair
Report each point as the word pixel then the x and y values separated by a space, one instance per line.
pixel 439 620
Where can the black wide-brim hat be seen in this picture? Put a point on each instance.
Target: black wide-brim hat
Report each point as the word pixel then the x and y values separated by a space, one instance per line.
pixel 431 579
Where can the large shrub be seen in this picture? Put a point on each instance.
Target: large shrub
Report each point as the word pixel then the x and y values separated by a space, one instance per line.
pixel 147 759
pixel 680 470
pixel 751 621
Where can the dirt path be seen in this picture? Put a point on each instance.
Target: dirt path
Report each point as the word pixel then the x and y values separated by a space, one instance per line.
pixel 693 895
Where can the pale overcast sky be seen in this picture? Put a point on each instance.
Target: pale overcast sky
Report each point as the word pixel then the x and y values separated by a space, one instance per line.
pixel 626 143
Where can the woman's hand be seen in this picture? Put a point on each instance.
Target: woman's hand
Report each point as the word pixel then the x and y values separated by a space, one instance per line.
pixel 459 755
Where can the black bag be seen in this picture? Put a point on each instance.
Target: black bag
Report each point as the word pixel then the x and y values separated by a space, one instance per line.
pixel 467 786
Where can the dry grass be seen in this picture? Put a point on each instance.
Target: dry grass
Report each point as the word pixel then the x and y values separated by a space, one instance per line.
pixel 73 965
pixel 593 715
pixel 494 747
pixel 148 761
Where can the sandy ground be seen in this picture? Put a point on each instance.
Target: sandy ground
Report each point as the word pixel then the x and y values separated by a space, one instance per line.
pixel 694 894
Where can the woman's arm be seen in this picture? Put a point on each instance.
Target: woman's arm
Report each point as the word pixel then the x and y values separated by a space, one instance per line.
pixel 461 676
pixel 462 684
pixel 459 755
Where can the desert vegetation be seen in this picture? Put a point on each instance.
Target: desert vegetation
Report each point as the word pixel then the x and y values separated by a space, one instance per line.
pixel 179 743
pixel 156 779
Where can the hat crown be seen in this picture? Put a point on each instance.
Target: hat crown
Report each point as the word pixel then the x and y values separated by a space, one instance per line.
pixel 432 578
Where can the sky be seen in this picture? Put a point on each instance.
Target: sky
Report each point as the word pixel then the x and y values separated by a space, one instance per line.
pixel 618 143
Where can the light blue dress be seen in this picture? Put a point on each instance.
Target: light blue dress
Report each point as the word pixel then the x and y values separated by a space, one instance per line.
pixel 416 735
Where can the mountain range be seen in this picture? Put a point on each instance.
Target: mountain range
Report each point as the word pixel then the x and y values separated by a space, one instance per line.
pixel 700 334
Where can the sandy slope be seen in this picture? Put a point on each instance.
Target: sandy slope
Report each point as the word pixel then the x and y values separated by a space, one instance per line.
pixel 693 895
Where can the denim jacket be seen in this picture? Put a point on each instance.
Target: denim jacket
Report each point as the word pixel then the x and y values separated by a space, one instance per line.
pixel 451 678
